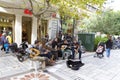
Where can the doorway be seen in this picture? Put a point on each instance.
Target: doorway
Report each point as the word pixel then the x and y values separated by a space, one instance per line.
pixel 26 29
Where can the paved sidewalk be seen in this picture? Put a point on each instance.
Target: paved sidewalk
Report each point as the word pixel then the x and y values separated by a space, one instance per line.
pixel 94 68
pixel 12 69
pixel 9 65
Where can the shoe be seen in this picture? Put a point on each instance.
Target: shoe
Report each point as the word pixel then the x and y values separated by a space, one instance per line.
pixel 45 70
pixel 82 64
pixel 7 52
pixel 63 58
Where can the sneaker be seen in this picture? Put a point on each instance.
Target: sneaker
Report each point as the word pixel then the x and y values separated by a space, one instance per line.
pixel 45 70
pixel 7 52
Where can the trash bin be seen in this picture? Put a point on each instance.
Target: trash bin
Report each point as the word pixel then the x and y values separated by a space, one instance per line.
pixel 87 40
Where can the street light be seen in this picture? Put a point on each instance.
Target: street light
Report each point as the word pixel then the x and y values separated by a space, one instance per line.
pixel 73 28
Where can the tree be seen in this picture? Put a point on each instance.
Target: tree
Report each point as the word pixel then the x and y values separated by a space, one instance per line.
pixel 75 10
pixel 71 8
pixel 108 22
pixel 66 8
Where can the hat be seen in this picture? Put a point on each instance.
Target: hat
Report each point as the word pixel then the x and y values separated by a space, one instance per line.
pixel 9 32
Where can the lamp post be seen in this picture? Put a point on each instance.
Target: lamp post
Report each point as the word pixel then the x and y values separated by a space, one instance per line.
pixel 73 28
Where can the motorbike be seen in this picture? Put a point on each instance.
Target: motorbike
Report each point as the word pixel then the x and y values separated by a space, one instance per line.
pixel 20 51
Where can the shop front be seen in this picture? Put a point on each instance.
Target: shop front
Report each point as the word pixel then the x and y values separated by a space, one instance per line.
pixel 25 27
pixel 7 23
pixel 22 27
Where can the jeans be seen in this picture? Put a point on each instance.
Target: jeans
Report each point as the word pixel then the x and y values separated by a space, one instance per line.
pixel 73 53
pixel 6 46
pixel 48 55
pixel 108 52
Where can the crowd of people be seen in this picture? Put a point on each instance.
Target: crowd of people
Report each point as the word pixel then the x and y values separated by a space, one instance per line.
pixel 48 51
pixel 55 49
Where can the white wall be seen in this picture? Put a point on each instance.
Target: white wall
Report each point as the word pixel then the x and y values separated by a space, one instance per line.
pixel 54 25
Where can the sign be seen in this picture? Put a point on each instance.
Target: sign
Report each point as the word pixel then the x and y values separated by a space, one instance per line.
pixel 54 28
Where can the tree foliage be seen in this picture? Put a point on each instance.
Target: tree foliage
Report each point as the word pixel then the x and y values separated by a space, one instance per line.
pixel 108 22
pixel 71 7
pixel 65 7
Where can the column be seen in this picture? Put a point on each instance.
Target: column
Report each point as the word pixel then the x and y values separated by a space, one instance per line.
pixel 18 29
pixel 34 30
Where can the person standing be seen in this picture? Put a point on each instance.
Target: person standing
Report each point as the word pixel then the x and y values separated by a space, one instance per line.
pixel 109 44
pixel 3 37
pixel 9 38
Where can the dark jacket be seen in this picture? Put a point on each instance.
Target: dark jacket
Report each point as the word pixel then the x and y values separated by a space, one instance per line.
pixel 108 44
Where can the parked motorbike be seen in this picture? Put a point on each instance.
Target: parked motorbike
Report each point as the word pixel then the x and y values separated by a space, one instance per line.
pixel 20 51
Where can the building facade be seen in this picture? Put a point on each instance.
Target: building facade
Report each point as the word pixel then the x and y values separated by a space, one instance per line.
pixel 24 27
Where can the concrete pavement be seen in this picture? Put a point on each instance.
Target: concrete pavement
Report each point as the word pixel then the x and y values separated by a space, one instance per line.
pixel 94 68
pixel 12 69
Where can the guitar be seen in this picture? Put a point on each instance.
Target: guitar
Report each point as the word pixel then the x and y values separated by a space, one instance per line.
pixel 63 47
pixel 34 53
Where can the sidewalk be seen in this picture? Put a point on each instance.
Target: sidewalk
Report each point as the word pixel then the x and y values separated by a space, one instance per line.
pixel 12 69
pixel 94 68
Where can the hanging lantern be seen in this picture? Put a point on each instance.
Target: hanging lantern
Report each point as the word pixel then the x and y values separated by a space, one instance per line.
pixel 26 11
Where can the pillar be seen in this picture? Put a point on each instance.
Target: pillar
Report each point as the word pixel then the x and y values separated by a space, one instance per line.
pixel 18 29
pixel 34 30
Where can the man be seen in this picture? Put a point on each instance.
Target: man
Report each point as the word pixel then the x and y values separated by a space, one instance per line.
pixel 76 49
pixel 65 48
pixel 108 46
pixel 35 55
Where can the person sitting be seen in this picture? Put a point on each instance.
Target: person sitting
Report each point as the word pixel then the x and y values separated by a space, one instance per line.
pixel 76 49
pixel 44 51
pixel 48 45
pixel 34 56
pixel 65 48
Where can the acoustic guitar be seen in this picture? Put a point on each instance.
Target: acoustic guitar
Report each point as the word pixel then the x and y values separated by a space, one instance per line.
pixel 34 53
pixel 63 47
